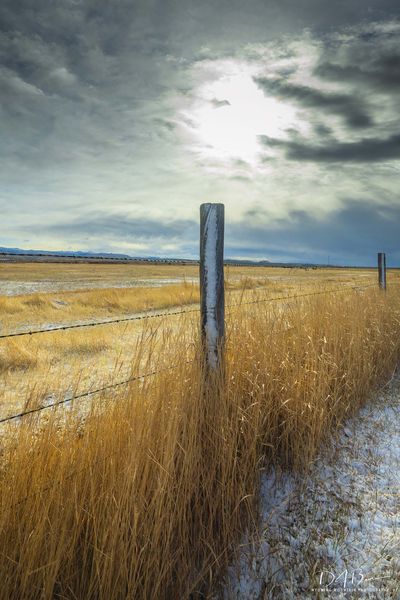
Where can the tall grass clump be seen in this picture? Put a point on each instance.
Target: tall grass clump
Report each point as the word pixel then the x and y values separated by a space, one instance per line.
pixel 14 356
pixel 146 495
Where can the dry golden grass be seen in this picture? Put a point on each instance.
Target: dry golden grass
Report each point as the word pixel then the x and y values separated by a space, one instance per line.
pixel 58 363
pixel 145 494
pixel 48 365
pixel 37 309
pixel 14 355
pixel 58 294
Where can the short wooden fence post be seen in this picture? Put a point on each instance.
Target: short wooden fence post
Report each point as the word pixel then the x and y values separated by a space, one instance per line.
pixel 382 270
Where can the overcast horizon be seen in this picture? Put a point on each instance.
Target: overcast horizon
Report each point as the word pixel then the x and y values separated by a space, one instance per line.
pixel 119 118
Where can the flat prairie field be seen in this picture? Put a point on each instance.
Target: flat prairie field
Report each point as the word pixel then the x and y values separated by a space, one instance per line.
pixel 127 470
pixel 41 368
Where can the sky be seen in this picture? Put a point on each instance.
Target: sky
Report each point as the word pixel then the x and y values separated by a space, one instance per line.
pixel 120 117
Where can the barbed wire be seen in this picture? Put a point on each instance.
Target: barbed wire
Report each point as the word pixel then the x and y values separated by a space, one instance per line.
pixel 138 377
pixel 89 393
pixel 294 297
pixel 105 388
pixel 146 316
pixel 80 396
pixel 97 323
pixel 155 372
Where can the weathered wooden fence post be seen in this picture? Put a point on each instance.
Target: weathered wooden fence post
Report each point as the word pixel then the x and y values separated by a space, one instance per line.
pixel 212 283
pixel 382 270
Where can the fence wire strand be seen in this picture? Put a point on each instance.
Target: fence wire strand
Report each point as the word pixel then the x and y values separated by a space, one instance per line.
pixel 146 316
pixel 143 317
pixel 88 393
pixel 294 297
pixel 156 372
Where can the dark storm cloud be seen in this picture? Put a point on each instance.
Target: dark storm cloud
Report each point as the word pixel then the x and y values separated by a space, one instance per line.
pixel 350 107
pixel 368 150
pixel 382 72
pixel 75 74
pixel 86 36
pixel 353 234
pixel 113 227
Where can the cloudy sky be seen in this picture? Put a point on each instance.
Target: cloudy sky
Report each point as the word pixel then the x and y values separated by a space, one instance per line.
pixel 120 117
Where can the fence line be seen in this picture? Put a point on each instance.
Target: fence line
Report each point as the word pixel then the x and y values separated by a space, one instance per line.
pixel 108 387
pixel 153 373
pixel 149 316
pixel 156 372
pixel 146 316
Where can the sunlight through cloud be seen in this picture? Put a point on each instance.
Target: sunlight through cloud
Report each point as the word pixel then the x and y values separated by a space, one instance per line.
pixel 230 113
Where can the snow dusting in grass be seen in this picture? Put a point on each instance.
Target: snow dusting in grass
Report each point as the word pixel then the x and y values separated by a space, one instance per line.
pixel 335 532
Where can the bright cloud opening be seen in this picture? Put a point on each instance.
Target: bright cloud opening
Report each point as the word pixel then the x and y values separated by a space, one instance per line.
pixel 230 113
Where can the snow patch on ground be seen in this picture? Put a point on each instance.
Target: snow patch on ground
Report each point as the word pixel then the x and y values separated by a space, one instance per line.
pixel 336 532
pixel 17 288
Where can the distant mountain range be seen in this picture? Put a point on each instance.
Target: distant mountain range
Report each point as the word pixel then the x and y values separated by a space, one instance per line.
pixel 75 253
pixel 79 254
pixel 114 255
